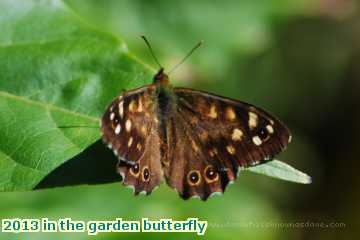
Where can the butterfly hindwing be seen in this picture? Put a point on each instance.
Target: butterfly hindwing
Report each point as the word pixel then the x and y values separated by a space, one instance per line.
pixel 188 170
pixel 145 174
pixel 215 137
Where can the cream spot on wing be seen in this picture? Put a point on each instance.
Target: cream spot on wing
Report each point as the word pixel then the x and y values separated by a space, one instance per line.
pixel 237 135
pixel 230 149
pixel 253 120
pixel 143 130
pixel 128 125
pixel 138 146
pixel 132 106
pixel 270 129
pixel 112 116
pixel 230 114
pixel 117 129
pixel 194 146
pixel 257 140
pixel 140 105
pixel 130 141
pixel 121 109
pixel 213 112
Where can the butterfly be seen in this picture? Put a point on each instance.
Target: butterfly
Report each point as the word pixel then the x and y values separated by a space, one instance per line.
pixel 197 141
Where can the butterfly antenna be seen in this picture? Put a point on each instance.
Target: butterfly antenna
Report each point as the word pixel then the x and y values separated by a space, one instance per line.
pixel 186 57
pixel 151 50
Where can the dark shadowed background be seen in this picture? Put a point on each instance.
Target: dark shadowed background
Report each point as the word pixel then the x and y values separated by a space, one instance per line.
pixel 298 59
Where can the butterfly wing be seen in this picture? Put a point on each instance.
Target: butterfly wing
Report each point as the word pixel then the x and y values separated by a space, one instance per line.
pixel 128 125
pixel 187 163
pixel 214 137
pixel 145 174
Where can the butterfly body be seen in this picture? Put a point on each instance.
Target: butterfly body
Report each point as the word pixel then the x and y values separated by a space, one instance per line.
pixel 197 141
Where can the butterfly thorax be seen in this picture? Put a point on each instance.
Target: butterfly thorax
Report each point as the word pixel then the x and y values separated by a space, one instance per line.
pixel 164 94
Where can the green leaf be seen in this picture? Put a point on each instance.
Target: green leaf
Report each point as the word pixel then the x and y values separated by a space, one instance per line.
pixel 57 75
pixel 281 170
pixel 55 72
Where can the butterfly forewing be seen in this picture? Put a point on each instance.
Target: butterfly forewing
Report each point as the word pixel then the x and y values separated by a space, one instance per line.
pixel 215 137
pixel 127 122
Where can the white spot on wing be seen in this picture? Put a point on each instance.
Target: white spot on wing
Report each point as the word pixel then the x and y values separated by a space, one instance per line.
pixel 128 125
pixel 118 129
pixel 195 196
pixel 121 109
pixel 270 129
pixel 216 194
pixel 112 116
pixel 115 152
pixel 257 140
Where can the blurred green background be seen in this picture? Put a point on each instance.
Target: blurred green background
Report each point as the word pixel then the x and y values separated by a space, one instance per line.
pixel 299 59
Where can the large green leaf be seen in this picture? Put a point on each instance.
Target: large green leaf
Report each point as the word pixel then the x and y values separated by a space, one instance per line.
pixel 57 72
pixel 54 71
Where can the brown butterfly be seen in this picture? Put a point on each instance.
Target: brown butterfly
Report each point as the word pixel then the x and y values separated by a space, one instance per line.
pixel 196 140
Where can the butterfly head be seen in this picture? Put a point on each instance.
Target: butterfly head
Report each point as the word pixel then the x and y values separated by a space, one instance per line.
pixel 161 78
